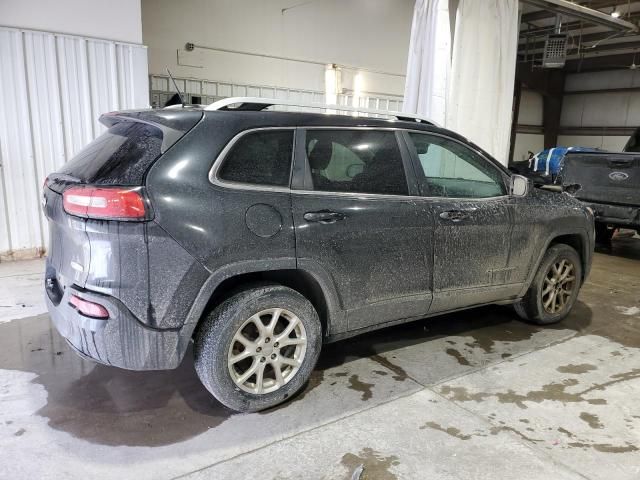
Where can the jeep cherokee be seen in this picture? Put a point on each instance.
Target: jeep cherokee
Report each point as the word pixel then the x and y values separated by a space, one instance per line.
pixel 260 235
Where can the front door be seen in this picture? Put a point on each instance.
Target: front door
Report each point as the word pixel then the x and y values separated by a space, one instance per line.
pixel 355 220
pixel 467 196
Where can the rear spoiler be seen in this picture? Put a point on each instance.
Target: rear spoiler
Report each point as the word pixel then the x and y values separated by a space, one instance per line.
pixel 173 125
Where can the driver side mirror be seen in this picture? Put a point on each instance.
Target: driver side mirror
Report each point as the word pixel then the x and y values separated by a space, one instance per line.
pixel 518 186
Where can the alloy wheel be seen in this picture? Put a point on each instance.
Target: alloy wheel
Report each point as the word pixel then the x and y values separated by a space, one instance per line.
pixel 267 351
pixel 559 284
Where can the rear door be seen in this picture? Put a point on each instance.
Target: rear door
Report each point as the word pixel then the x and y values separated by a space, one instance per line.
pixel 467 197
pixel 356 221
pixel 254 172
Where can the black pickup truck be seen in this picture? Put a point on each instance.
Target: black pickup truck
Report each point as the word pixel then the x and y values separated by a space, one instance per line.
pixel 609 183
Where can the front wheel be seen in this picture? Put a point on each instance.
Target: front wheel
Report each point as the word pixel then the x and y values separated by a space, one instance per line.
pixel 555 287
pixel 258 348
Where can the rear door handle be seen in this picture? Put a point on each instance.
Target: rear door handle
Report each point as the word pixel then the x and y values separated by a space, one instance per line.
pixel 456 215
pixel 324 216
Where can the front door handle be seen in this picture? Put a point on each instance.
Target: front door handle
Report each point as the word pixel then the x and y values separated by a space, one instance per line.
pixel 324 216
pixel 456 215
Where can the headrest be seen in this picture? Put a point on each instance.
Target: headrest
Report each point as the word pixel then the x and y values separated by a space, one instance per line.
pixel 320 155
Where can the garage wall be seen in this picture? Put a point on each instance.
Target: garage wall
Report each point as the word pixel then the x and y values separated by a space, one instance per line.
pixel 112 20
pixel 614 143
pixel 529 118
pixel 600 119
pixel 372 34
pixel 53 88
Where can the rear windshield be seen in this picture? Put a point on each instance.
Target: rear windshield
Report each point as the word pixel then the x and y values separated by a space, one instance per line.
pixel 119 156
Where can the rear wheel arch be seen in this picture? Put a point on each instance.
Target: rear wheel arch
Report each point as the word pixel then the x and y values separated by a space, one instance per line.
pixel 321 295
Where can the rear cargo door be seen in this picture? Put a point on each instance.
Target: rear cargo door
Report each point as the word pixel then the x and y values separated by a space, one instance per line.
pixel 604 178
pixel 84 252
pixel 69 250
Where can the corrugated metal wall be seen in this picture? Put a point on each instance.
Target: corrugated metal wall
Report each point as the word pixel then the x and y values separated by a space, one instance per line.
pixel 53 88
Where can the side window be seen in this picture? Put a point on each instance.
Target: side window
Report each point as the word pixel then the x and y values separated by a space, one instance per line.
pixel 360 161
pixel 261 158
pixel 452 170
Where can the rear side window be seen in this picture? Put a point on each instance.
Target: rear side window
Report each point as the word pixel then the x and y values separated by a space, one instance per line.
pixel 260 158
pixel 120 156
pixel 359 161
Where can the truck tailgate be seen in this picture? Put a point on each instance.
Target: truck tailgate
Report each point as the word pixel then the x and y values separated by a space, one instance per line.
pixel 612 178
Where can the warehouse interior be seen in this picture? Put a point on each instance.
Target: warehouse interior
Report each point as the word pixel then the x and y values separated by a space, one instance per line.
pixel 472 393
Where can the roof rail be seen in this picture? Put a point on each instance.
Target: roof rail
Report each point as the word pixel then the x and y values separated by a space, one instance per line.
pixel 257 104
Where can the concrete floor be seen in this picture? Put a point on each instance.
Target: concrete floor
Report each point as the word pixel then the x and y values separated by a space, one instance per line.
pixel 471 395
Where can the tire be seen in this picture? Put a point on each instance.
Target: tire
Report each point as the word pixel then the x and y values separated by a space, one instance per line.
pixel 532 307
pixel 231 329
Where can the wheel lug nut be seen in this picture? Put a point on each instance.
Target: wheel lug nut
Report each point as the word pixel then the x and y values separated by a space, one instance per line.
pixel 267 340
pixel 259 349
pixel 262 359
pixel 276 345
pixel 273 356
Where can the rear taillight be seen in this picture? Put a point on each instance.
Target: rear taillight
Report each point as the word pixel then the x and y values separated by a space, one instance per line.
pixel 90 309
pixel 116 203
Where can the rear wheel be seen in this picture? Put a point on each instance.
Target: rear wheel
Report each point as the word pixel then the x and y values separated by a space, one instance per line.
pixel 258 348
pixel 555 287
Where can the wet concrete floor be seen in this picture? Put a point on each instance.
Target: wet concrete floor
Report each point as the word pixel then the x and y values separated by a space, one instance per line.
pixel 476 394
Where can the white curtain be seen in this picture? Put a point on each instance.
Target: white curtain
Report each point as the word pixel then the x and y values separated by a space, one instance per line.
pixel 465 85
pixel 483 69
pixel 429 60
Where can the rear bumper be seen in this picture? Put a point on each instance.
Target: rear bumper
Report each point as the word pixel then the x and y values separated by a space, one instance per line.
pixel 121 340
pixel 618 215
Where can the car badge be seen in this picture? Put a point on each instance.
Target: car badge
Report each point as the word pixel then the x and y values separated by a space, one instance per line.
pixel 618 176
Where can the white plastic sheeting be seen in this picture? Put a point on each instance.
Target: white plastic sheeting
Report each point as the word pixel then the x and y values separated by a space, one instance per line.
pixel 53 88
pixel 483 70
pixel 479 86
pixel 429 61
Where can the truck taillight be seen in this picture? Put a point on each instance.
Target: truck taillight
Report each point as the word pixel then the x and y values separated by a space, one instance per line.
pixel 115 203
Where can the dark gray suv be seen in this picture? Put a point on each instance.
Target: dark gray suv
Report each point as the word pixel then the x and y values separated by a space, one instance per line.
pixel 261 234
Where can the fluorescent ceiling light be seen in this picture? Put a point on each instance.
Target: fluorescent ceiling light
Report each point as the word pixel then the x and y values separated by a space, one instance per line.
pixel 615 14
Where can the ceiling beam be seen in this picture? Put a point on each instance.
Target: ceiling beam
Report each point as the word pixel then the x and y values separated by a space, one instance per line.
pixel 545 14
pixel 588 38
pixel 597 59
pixel 611 47
pixel 590 15
pixel 572 28
pixel 598 63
